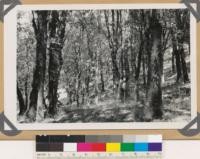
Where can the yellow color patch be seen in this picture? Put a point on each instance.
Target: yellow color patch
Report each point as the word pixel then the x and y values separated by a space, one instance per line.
pixel 112 147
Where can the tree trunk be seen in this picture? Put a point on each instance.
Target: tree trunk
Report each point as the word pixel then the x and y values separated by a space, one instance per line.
pixel 184 66
pixel 132 49
pixel 57 34
pixel 26 91
pixel 101 76
pixel 115 70
pixel 173 62
pixel 113 36
pixel 55 64
pixel 87 82
pixel 182 35
pixel 144 70
pixel 137 73
pixel 149 66
pixel 178 65
pixel 176 55
pixel 22 106
pixel 77 89
pixel 40 28
pixel 155 93
pixel 122 83
pixel 125 73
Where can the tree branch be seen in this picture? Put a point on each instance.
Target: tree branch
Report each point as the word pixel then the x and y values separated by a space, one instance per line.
pixel 34 24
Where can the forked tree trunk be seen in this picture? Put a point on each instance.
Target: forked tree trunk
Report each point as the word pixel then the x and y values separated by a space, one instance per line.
pixel 57 34
pixel 113 36
pixel 40 28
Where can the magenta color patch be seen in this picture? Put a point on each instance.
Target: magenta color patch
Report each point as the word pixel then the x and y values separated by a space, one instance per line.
pixel 84 147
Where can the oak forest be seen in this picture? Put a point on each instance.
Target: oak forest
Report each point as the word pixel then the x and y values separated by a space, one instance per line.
pixel 103 66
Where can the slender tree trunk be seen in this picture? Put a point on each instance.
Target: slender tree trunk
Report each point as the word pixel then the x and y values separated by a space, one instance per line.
pixel 173 62
pixel 113 37
pixel 127 71
pixel 83 96
pixel 155 93
pixel 133 61
pixel 149 72
pixel 182 17
pixel 77 89
pixel 137 73
pixel 133 56
pixel 26 91
pixel 184 65
pixel 115 70
pixel 122 84
pixel 144 70
pixel 40 28
pixel 176 56
pixel 102 82
pixel 87 82
pixel 22 106
pixel 178 65
pixel 149 66
pixel 181 67
pixel 133 53
pixel 101 76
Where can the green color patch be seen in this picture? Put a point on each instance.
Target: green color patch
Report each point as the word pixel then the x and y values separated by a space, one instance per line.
pixel 127 147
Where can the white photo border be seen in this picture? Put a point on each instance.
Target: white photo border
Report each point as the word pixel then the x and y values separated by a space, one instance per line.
pixel 10 47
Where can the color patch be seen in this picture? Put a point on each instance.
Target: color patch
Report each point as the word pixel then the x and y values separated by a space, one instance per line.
pixel 84 147
pixel 154 138
pixel 155 147
pixel 141 138
pixel 129 138
pixel 113 147
pixel 98 147
pixel 70 147
pixel 42 147
pixel 91 138
pixel 127 147
pixel 56 147
pixel 141 146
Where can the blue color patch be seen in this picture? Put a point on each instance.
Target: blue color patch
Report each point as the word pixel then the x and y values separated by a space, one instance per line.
pixel 141 146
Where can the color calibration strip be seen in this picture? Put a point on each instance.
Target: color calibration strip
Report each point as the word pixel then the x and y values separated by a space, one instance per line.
pixel 101 146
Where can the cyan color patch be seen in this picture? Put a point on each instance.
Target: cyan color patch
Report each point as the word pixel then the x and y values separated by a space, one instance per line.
pixel 141 146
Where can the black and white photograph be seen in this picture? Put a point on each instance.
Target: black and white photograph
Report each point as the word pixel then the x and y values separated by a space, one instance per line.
pixel 103 65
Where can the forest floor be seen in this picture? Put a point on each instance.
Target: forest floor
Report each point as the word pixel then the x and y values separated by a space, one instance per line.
pixel 175 97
